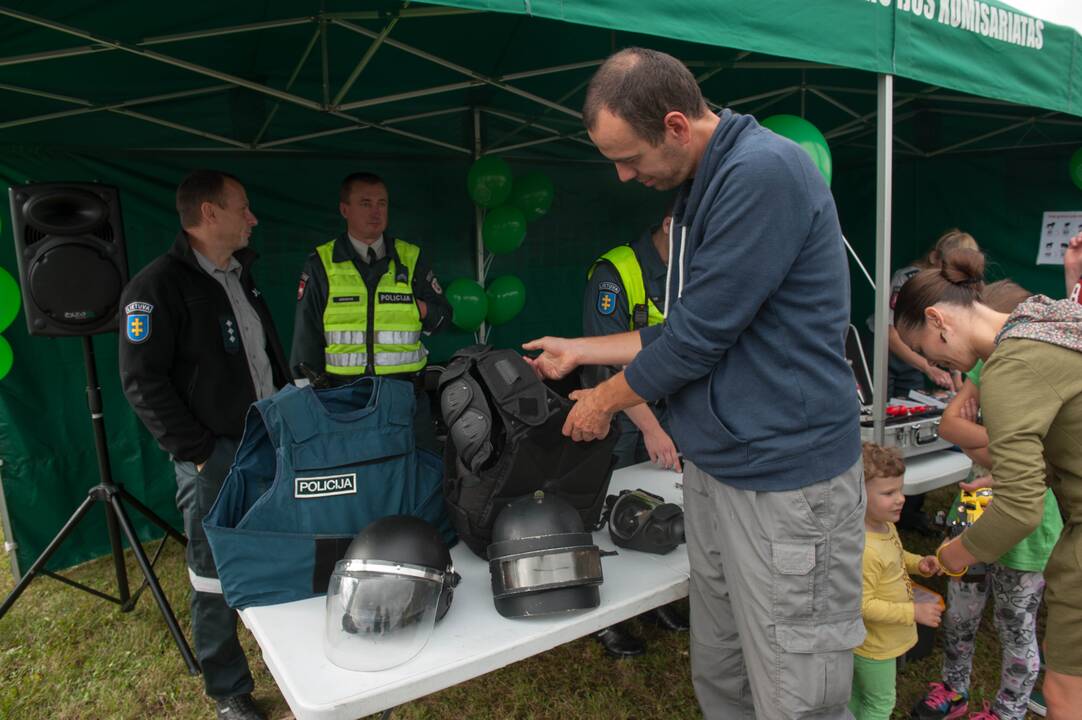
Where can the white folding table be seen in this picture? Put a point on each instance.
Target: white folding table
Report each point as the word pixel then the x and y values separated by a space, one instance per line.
pixel 473 638
pixel 934 470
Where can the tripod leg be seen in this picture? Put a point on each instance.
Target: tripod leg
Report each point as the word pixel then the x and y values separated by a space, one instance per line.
pixel 151 516
pixel 48 553
pixel 155 586
pixel 118 560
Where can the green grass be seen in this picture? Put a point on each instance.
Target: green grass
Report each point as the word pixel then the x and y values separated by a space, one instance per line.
pixel 67 655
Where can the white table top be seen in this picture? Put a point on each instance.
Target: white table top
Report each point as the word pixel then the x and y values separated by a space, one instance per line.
pixel 472 639
pixel 934 470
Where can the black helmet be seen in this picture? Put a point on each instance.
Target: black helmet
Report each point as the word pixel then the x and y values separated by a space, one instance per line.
pixel 541 560
pixel 385 596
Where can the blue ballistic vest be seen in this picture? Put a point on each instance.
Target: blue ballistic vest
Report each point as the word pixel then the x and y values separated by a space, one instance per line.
pixel 313 469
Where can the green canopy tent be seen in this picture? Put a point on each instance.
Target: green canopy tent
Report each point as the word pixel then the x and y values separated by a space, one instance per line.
pixel 979 102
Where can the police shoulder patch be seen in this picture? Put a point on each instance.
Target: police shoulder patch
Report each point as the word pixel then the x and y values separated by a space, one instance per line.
pixel 606 302
pixel 137 321
pixel 610 287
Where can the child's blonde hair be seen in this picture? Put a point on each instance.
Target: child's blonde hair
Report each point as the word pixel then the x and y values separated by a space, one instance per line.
pixel 950 240
pixel 882 462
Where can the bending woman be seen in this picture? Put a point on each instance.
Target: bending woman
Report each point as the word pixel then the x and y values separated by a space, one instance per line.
pixel 1031 396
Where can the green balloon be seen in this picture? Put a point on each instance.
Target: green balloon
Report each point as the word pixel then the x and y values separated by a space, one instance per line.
pixel 506 296
pixel 9 299
pixel 469 302
pixel 489 181
pixel 6 358
pixel 807 136
pixel 504 229
pixel 1076 168
pixel 532 194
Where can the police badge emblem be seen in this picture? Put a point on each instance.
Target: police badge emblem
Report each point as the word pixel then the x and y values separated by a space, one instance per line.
pixel 606 302
pixel 137 323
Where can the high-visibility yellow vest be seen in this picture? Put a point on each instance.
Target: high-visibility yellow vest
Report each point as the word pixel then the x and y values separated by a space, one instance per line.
pixel 396 319
pixel 627 266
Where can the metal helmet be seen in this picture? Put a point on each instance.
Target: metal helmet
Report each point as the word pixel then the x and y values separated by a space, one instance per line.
pixel 386 594
pixel 541 560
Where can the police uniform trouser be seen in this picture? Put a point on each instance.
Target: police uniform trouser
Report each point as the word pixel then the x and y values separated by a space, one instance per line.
pixel 775 596
pixel 214 624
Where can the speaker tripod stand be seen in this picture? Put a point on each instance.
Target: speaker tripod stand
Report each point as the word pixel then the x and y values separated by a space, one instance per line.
pixel 114 498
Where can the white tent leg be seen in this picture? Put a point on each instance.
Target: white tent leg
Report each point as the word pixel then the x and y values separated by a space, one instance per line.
pixel 883 190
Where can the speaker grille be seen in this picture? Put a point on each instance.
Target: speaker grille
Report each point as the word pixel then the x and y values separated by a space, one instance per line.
pixel 32 235
pixel 69 243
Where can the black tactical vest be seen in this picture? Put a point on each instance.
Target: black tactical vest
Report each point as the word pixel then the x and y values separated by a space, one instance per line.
pixel 504 441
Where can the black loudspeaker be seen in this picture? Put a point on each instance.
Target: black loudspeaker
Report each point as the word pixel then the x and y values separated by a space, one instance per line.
pixel 69 242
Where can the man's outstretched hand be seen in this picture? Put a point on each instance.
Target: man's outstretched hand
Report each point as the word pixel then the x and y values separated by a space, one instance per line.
pixel 556 360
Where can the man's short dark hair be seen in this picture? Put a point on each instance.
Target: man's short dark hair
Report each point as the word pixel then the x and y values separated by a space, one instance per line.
pixel 198 187
pixel 641 87
pixel 359 178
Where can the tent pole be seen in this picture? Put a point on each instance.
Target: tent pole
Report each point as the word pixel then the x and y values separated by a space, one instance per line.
pixel 156 40
pixel 365 59
pixel 354 128
pixel 554 134
pixel 460 69
pixel 540 141
pixel 883 190
pixel 325 63
pixel 396 97
pixel 970 141
pixel 289 86
pixel 478 224
pixel 91 108
pixel 563 98
pixel 166 59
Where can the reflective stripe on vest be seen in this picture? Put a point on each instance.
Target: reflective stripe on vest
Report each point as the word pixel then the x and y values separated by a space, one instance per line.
pixel 627 266
pixel 396 343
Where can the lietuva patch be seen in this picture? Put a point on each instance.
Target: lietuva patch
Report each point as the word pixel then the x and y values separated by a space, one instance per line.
pixel 137 321
pixel 324 486
pixel 609 286
pixel 347 298
pixel 390 298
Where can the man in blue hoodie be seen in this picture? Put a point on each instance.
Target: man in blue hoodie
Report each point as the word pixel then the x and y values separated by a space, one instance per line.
pixel 750 359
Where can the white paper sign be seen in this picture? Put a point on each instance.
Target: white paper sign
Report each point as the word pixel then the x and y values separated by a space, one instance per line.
pixel 1057 229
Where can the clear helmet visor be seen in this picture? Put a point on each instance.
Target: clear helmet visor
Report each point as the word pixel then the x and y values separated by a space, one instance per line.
pixel 379 615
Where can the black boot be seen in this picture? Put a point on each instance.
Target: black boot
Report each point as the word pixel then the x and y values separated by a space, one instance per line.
pixel 666 617
pixel 239 707
pixel 619 643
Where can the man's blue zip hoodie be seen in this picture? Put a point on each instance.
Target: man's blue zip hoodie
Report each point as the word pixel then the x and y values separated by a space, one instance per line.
pixel 751 354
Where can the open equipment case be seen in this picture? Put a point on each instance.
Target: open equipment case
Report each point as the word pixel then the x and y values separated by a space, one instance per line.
pixel 912 424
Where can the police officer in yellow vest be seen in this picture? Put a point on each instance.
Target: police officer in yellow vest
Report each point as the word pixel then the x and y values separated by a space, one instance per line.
pixel 626 286
pixel 366 298
pixel 625 290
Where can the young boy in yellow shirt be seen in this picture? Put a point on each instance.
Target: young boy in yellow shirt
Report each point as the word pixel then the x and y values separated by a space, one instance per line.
pixel 890 615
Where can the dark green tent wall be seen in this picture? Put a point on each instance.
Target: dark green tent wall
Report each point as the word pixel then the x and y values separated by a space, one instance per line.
pixel 45 436
pixel 45 439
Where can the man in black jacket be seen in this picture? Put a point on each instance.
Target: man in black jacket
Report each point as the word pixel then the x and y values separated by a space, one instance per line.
pixel 197 348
